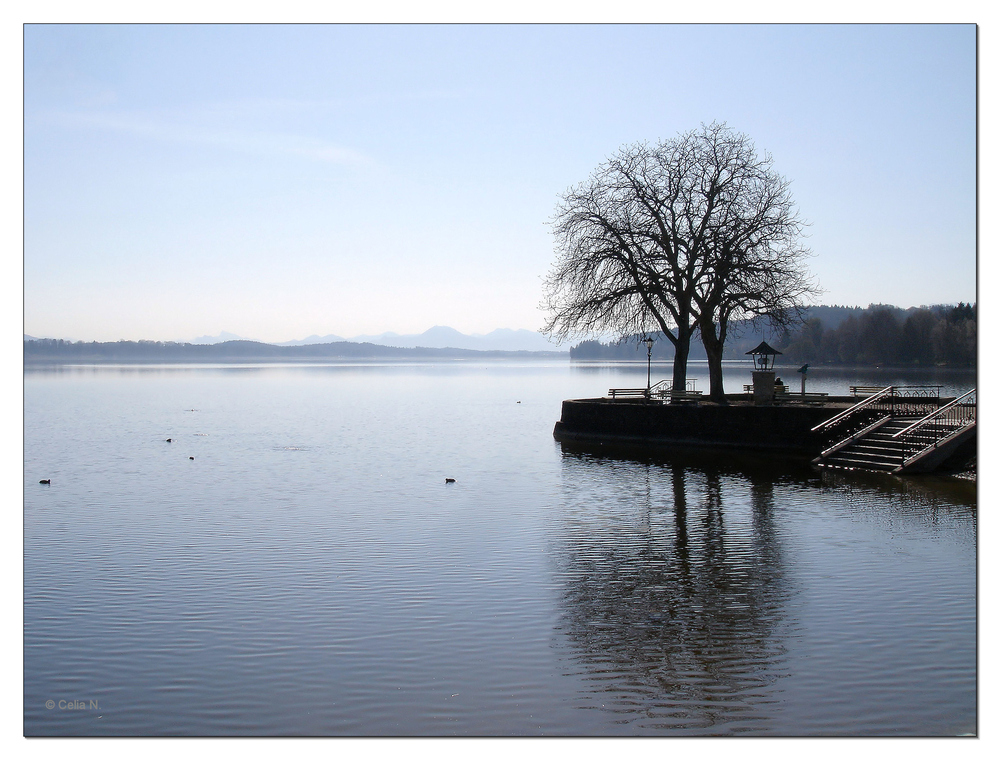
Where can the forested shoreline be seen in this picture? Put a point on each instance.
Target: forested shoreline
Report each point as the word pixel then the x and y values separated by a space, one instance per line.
pixel 879 335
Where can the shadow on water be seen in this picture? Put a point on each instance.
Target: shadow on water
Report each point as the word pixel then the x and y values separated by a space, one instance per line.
pixel 674 582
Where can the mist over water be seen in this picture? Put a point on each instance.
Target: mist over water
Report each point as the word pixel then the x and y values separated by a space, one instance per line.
pixel 310 572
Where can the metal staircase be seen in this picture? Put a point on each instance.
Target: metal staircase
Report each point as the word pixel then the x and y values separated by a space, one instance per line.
pixel 886 432
pixel 876 449
pixel 929 441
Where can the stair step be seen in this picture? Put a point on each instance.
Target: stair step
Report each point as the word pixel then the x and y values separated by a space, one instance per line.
pixel 862 454
pixel 870 452
pixel 862 461
pixel 848 464
pixel 869 464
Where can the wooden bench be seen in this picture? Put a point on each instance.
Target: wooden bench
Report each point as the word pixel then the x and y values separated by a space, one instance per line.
pixel 781 393
pixel 642 393
pixel 865 390
pixel 777 389
pixel 626 392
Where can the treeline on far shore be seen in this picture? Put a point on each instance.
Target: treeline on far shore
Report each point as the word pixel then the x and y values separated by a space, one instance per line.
pixel 50 350
pixel 879 335
pixel 887 335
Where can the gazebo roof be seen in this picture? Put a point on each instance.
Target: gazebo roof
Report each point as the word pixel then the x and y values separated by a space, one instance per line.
pixel 763 348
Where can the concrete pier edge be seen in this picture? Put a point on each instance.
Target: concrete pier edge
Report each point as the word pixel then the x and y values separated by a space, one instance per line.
pixel 781 429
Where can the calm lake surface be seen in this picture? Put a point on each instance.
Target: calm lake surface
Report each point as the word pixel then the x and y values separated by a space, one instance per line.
pixel 310 572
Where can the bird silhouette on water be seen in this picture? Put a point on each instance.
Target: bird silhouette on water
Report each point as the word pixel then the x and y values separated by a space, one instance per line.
pixel 45 482
pixel 449 480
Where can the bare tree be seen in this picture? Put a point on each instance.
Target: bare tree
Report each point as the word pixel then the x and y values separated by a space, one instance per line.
pixel 622 266
pixel 690 234
pixel 754 266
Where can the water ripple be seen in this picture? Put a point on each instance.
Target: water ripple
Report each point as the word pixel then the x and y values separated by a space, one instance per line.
pixel 310 573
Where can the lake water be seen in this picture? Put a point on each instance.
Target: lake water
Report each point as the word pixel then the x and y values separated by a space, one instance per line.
pixel 310 572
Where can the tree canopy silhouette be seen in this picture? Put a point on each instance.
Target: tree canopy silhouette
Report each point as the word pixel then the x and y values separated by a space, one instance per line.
pixel 684 236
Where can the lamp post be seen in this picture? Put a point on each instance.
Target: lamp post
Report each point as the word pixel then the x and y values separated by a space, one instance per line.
pixel 649 363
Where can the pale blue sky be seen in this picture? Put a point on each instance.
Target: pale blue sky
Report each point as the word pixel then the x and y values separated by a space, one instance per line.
pixel 280 181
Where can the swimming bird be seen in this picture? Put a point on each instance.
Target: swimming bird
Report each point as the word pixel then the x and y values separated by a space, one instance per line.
pixel 449 480
pixel 170 440
pixel 190 457
pixel 45 482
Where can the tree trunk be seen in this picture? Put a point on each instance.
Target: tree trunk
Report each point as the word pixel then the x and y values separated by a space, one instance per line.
pixel 713 351
pixel 682 346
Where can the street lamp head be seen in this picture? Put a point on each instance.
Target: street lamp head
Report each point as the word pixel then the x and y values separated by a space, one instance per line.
pixel 649 343
pixel 763 356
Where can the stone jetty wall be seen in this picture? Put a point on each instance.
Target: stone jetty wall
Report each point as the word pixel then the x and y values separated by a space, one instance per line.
pixel 766 428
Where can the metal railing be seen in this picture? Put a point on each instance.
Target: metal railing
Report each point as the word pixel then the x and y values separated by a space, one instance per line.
pixel 665 387
pixel 930 430
pixel 916 391
pixel 868 403
pixel 662 390
pixel 907 400
pixel 895 400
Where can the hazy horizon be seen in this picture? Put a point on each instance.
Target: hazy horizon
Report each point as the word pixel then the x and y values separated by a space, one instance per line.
pixel 516 334
pixel 225 335
pixel 290 180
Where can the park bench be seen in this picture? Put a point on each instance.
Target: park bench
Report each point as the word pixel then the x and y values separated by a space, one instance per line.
pixel 778 389
pixel 626 392
pixel 782 394
pixel 865 390
pixel 685 395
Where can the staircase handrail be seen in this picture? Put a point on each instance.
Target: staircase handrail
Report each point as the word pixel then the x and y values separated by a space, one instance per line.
pixel 662 386
pixel 941 411
pixel 665 387
pixel 888 391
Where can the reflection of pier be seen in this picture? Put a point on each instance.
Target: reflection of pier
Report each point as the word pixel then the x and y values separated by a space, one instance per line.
pixel 901 429
pixel 674 594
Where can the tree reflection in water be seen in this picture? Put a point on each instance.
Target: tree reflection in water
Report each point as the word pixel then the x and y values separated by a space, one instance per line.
pixel 673 592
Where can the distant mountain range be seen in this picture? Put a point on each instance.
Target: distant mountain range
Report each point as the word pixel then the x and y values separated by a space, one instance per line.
pixel 503 339
pixel 210 340
pixel 446 339
pixel 312 340
pixel 48 351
